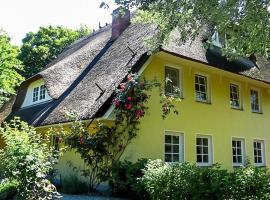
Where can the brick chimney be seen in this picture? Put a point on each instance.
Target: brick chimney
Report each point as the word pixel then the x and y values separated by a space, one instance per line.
pixel 120 21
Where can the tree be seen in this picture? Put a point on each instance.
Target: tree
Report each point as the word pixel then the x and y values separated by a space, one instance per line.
pixel 243 24
pixel 40 48
pixel 9 67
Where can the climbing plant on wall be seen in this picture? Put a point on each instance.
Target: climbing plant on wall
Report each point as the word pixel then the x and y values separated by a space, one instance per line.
pixel 104 144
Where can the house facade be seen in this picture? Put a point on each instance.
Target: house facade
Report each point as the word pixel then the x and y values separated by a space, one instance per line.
pixel 223 112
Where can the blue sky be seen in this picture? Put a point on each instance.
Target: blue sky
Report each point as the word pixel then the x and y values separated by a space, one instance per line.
pixel 18 17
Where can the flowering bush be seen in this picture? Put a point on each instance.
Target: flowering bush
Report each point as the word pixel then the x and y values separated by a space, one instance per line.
pixel 132 97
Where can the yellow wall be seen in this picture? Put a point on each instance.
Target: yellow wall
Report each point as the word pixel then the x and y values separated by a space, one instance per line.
pixel 216 119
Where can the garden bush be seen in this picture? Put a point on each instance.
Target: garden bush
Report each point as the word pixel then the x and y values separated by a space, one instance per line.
pixel 188 182
pixel 28 159
pixel 124 181
pixel 8 189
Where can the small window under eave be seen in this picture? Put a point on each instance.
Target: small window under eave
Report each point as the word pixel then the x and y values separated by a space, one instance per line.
pixel 36 94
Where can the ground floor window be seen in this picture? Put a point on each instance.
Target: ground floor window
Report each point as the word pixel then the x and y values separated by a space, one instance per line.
pixel 174 147
pixel 204 150
pixel 238 151
pixel 258 148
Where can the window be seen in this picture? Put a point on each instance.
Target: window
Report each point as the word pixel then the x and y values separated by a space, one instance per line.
pixel 35 94
pixel 174 147
pixel 255 103
pixel 201 88
pixel 172 83
pixel 39 93
pixel 238 152
pixel 258 147
pixel 42 92
pixel 234 96
pixel 204 150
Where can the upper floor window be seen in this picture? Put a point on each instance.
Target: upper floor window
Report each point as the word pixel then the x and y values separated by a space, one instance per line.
pixel 201 88
pixel 235 96
pixel 42 93
pixel 172 81
pixel 238 151
pixel 35 94
pixel 255 101
pixel 39 93
pixel 259 157
pixel 174 147
pixel 204 150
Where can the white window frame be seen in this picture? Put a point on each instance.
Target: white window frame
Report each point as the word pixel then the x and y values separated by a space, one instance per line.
pixel 39 93
pixel 259 100
pixel 263 163
pixel 180 81
pixel 35 94
pixel 210 150
pixel 239 96
pixel 42 92
pixel 243 150
pixel 181 144
pixel 208 94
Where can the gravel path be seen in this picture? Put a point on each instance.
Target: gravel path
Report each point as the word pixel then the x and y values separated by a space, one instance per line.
pixel 83 197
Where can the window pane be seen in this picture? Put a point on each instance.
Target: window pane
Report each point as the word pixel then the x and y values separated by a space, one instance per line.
pixel 175 140
pixel 205 158
pixel 175 148
pixel 168 148
pixel 168 158
pixel 199 158
pixel 175 157
pixel 205 150
pixel 199 141
pixel 199 150
pixel 205 141
pixel 168 139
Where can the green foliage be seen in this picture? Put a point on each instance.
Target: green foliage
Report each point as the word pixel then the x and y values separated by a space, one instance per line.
pixel 251 183
pixel 46 44
pixel 73 185
pixel 244 25
pixel 9 67
pixel 186 181
pixel 28 159
pixel 124 180
pixel 8 189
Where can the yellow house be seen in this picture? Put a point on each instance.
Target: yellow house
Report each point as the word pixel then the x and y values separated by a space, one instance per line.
pixel 224 112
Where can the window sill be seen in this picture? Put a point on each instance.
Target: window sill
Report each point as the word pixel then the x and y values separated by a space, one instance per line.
pixel 238 165
pixel 204 164
pixel 256 112
pixel 235 108
pixel 260 165
pixel 204 102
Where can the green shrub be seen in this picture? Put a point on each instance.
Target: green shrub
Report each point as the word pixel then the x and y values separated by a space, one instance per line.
pixel 73 185
pixel 124 181
pixel 189 182
pixel 8 189
pixel 251 183
pixel 28 159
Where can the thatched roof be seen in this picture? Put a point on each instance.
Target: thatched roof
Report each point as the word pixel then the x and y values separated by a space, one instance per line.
pixel 73 77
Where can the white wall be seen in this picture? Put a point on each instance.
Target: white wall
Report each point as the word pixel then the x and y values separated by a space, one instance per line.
pixel 28 100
